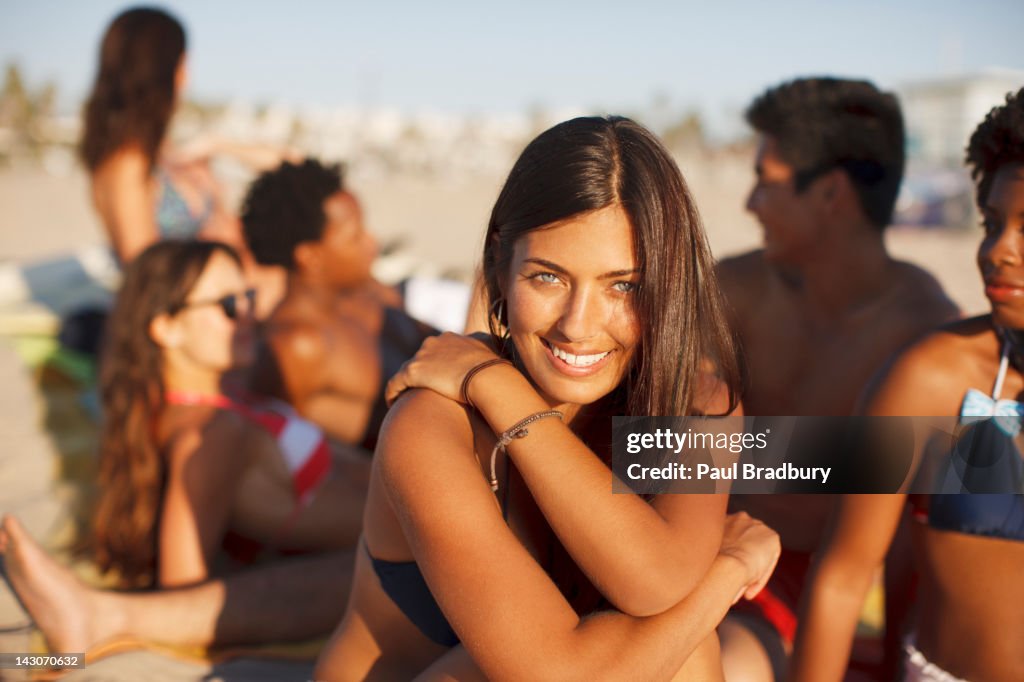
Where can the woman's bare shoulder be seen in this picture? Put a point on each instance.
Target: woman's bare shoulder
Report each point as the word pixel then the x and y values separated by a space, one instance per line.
pixel 207 432
pixel 423 429
pixel 931 376
pixel 951 347
pixel 129 161
pixel 420 413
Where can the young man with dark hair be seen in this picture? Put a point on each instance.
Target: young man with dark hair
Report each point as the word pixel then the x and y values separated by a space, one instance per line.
pixel 820 309
pixel 338 334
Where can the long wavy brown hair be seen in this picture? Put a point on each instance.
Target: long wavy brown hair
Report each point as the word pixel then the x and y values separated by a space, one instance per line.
pixel 133 97
pixel 132 471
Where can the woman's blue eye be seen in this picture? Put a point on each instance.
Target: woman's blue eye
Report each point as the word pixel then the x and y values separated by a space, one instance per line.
pixel 625 287
pixel 546 277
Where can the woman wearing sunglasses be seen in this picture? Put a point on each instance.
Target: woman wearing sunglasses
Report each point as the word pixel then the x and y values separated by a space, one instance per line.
pixel 144 187
pixel 182 469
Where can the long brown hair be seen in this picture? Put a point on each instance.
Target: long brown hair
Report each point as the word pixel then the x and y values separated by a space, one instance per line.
pixel 133 97
pixel 590 163
pixel 131 469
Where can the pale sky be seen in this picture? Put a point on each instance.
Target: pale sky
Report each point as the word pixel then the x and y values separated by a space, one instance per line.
pixel 473 57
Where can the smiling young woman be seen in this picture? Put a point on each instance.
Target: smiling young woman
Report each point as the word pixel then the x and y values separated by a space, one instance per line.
pixel 602 302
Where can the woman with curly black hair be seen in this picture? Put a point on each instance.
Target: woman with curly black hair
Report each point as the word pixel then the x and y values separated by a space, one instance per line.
pixel 969 547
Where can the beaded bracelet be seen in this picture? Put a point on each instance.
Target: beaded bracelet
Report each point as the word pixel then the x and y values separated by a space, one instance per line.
pixel 517 430
pixel 464 389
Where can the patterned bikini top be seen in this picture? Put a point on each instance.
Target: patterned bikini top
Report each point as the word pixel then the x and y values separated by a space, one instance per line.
pixel 977 405
pixel 988 459
pixel 174 217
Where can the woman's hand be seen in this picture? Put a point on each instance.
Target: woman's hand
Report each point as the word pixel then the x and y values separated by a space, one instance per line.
pixel 440 364
pixel 755 545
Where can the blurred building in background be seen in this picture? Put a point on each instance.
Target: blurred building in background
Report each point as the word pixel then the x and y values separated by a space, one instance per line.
pixel 940 115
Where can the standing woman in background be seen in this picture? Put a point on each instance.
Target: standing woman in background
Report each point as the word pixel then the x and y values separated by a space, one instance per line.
pixel 144 189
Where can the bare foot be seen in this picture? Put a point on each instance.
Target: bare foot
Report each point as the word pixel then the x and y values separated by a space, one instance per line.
pixel 64 609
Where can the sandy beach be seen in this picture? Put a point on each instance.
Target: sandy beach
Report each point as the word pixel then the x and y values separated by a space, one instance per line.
pixel 440 221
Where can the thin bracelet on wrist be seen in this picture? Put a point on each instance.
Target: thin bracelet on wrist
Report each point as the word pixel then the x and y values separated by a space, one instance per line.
pixel 464 389
pixel 517 430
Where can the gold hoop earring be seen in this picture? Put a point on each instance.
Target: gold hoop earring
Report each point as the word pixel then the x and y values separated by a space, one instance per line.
pixel 498 314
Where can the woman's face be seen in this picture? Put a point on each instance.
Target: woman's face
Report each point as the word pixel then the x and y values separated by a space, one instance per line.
pixel 203 334
pixel 570 305
pixel 1001 254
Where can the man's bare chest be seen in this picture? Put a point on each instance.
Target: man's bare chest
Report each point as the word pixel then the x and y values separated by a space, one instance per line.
pixel 798 370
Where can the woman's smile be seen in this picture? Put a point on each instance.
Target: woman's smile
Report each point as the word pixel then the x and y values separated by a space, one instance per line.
pixel 576 362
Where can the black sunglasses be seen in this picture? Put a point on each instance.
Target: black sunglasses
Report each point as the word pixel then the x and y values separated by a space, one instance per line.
pixel 228 304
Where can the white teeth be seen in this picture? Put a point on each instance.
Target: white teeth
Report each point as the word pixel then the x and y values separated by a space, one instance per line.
pixel 576 360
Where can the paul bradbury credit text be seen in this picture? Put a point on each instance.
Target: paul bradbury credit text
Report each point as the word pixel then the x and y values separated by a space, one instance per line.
pixel 733 472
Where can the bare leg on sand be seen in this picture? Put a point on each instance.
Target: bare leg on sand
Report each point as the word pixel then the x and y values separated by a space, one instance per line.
pixel 287 600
